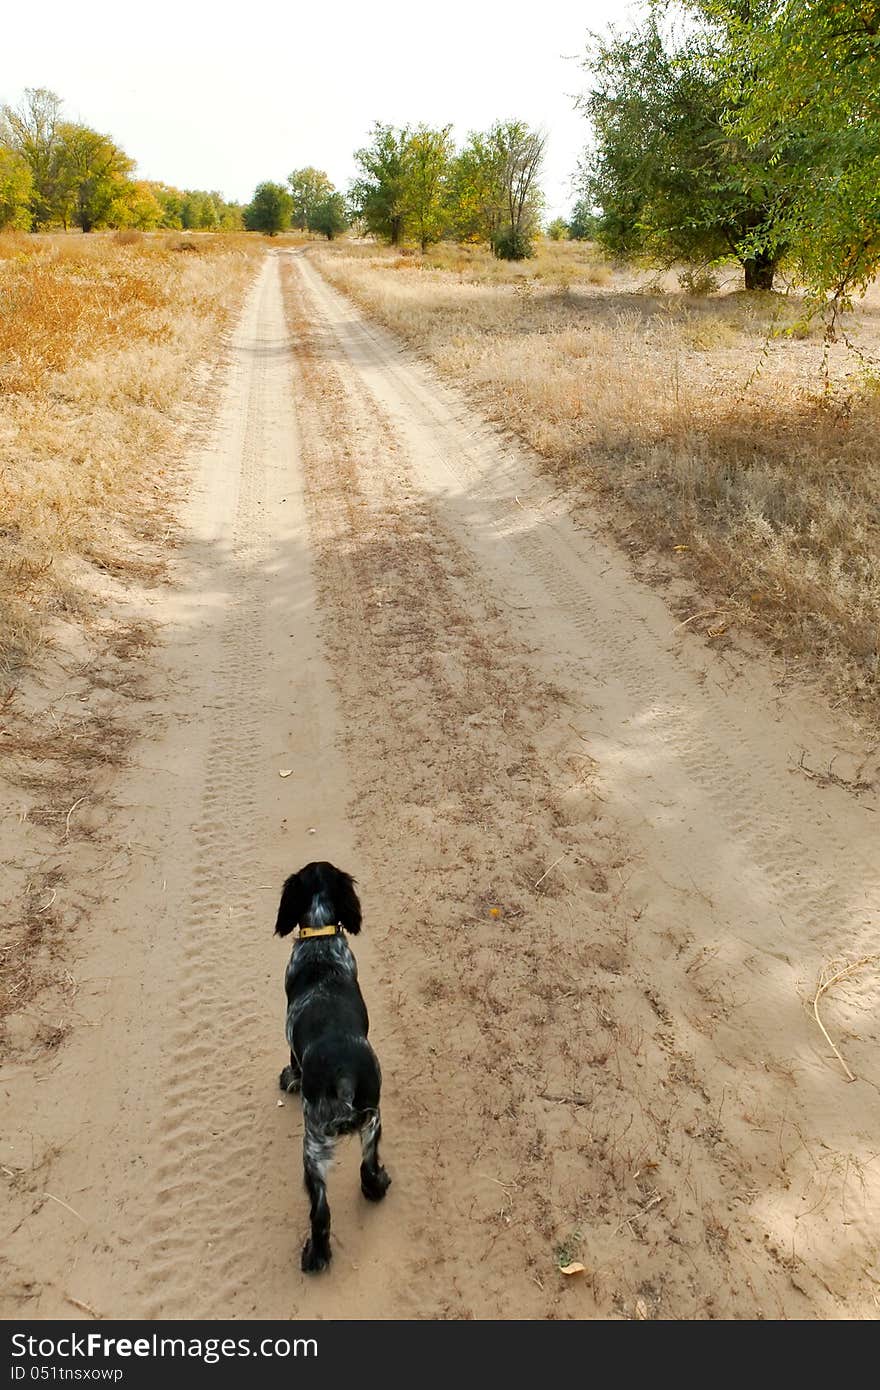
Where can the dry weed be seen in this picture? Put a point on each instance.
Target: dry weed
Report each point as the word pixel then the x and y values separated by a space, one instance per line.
pixel 99 338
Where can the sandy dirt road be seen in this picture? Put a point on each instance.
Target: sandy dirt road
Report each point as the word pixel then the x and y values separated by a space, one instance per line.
pixel 598 894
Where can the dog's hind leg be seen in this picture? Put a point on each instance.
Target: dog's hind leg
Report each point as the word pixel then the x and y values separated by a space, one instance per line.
pixel 290 1079
pixel 317 1152
pixel 375 1182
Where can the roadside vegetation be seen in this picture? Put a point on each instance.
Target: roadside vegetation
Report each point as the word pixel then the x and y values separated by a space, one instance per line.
pixel 100 339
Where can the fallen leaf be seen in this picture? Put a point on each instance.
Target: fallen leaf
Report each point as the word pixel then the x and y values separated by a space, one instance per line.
pixel 575 1268
pixel 285 771
pixel 681 547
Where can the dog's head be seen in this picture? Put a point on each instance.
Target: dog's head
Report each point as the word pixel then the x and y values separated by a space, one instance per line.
pixel 323 893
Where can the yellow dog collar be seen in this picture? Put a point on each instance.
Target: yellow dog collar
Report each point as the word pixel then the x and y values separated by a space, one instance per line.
pixel 306 932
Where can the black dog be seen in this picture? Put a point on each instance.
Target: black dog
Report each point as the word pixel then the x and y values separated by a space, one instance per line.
pixel 331 1061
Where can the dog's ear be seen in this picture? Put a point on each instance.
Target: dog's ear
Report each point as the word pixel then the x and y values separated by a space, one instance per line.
pixel 347 903
pixel 294 901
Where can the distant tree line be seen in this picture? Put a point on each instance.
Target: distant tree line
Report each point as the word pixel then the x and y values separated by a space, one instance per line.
pixel 719 129
pixel 59 173
pixel 413 185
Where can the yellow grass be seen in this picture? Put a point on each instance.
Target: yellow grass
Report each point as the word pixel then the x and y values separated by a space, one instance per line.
pixel 99 339
pixel 703 424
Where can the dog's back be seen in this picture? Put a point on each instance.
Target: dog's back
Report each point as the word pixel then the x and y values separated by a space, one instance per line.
pixel 327 1026
pixel 331 1061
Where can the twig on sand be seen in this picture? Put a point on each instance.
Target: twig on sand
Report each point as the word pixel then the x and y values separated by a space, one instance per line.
pixel 69 814
pixel 564 1100
pixel 831 778
pixel 547 871
pixel 652 1201
pixel 709 613
pixel 508 1186
pixel 67 1207
pixel 824 983
pixel 86 1307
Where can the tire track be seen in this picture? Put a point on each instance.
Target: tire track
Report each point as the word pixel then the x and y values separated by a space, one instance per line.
pixel 200 1240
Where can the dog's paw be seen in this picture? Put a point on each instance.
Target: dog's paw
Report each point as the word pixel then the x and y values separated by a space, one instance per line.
pixel 290 1080
pixel 314 1259
pixel 374 1185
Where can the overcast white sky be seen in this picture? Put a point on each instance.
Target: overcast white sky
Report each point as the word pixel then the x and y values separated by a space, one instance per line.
pixel 222 96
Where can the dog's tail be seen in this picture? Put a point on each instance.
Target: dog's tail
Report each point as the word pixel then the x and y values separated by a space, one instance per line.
pixel 345 1112
pixel 331 1112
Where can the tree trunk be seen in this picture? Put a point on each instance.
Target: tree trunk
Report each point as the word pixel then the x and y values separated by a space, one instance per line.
pixel 396 230
pixel 759 271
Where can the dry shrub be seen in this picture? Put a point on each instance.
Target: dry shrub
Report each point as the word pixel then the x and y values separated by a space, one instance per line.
pixel 698 281
pixel 710 426
pixel 98 341
pixel 184 241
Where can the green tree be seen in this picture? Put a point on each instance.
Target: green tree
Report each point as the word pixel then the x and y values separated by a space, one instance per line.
pixel 170 201
pixel 474 206
pixel 231 216
pixel 16 186
pixel 30 130
pixel 90 172
pixel 194 208
pixel 803 82
pixel 310 189
pixel 494 188
pixel 583 223
pixel 557 230
pixel 269 210
pixel 136 205
pixel 428 154
pixel 379 195
pixel 330 218
pixel 522 155
pixel 670 177
pixel 197 211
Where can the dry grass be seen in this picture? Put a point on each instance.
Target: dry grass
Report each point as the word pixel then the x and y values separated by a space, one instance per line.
pixel 711 428
pixel 557 264
pixel 99 339
pixel 106 342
